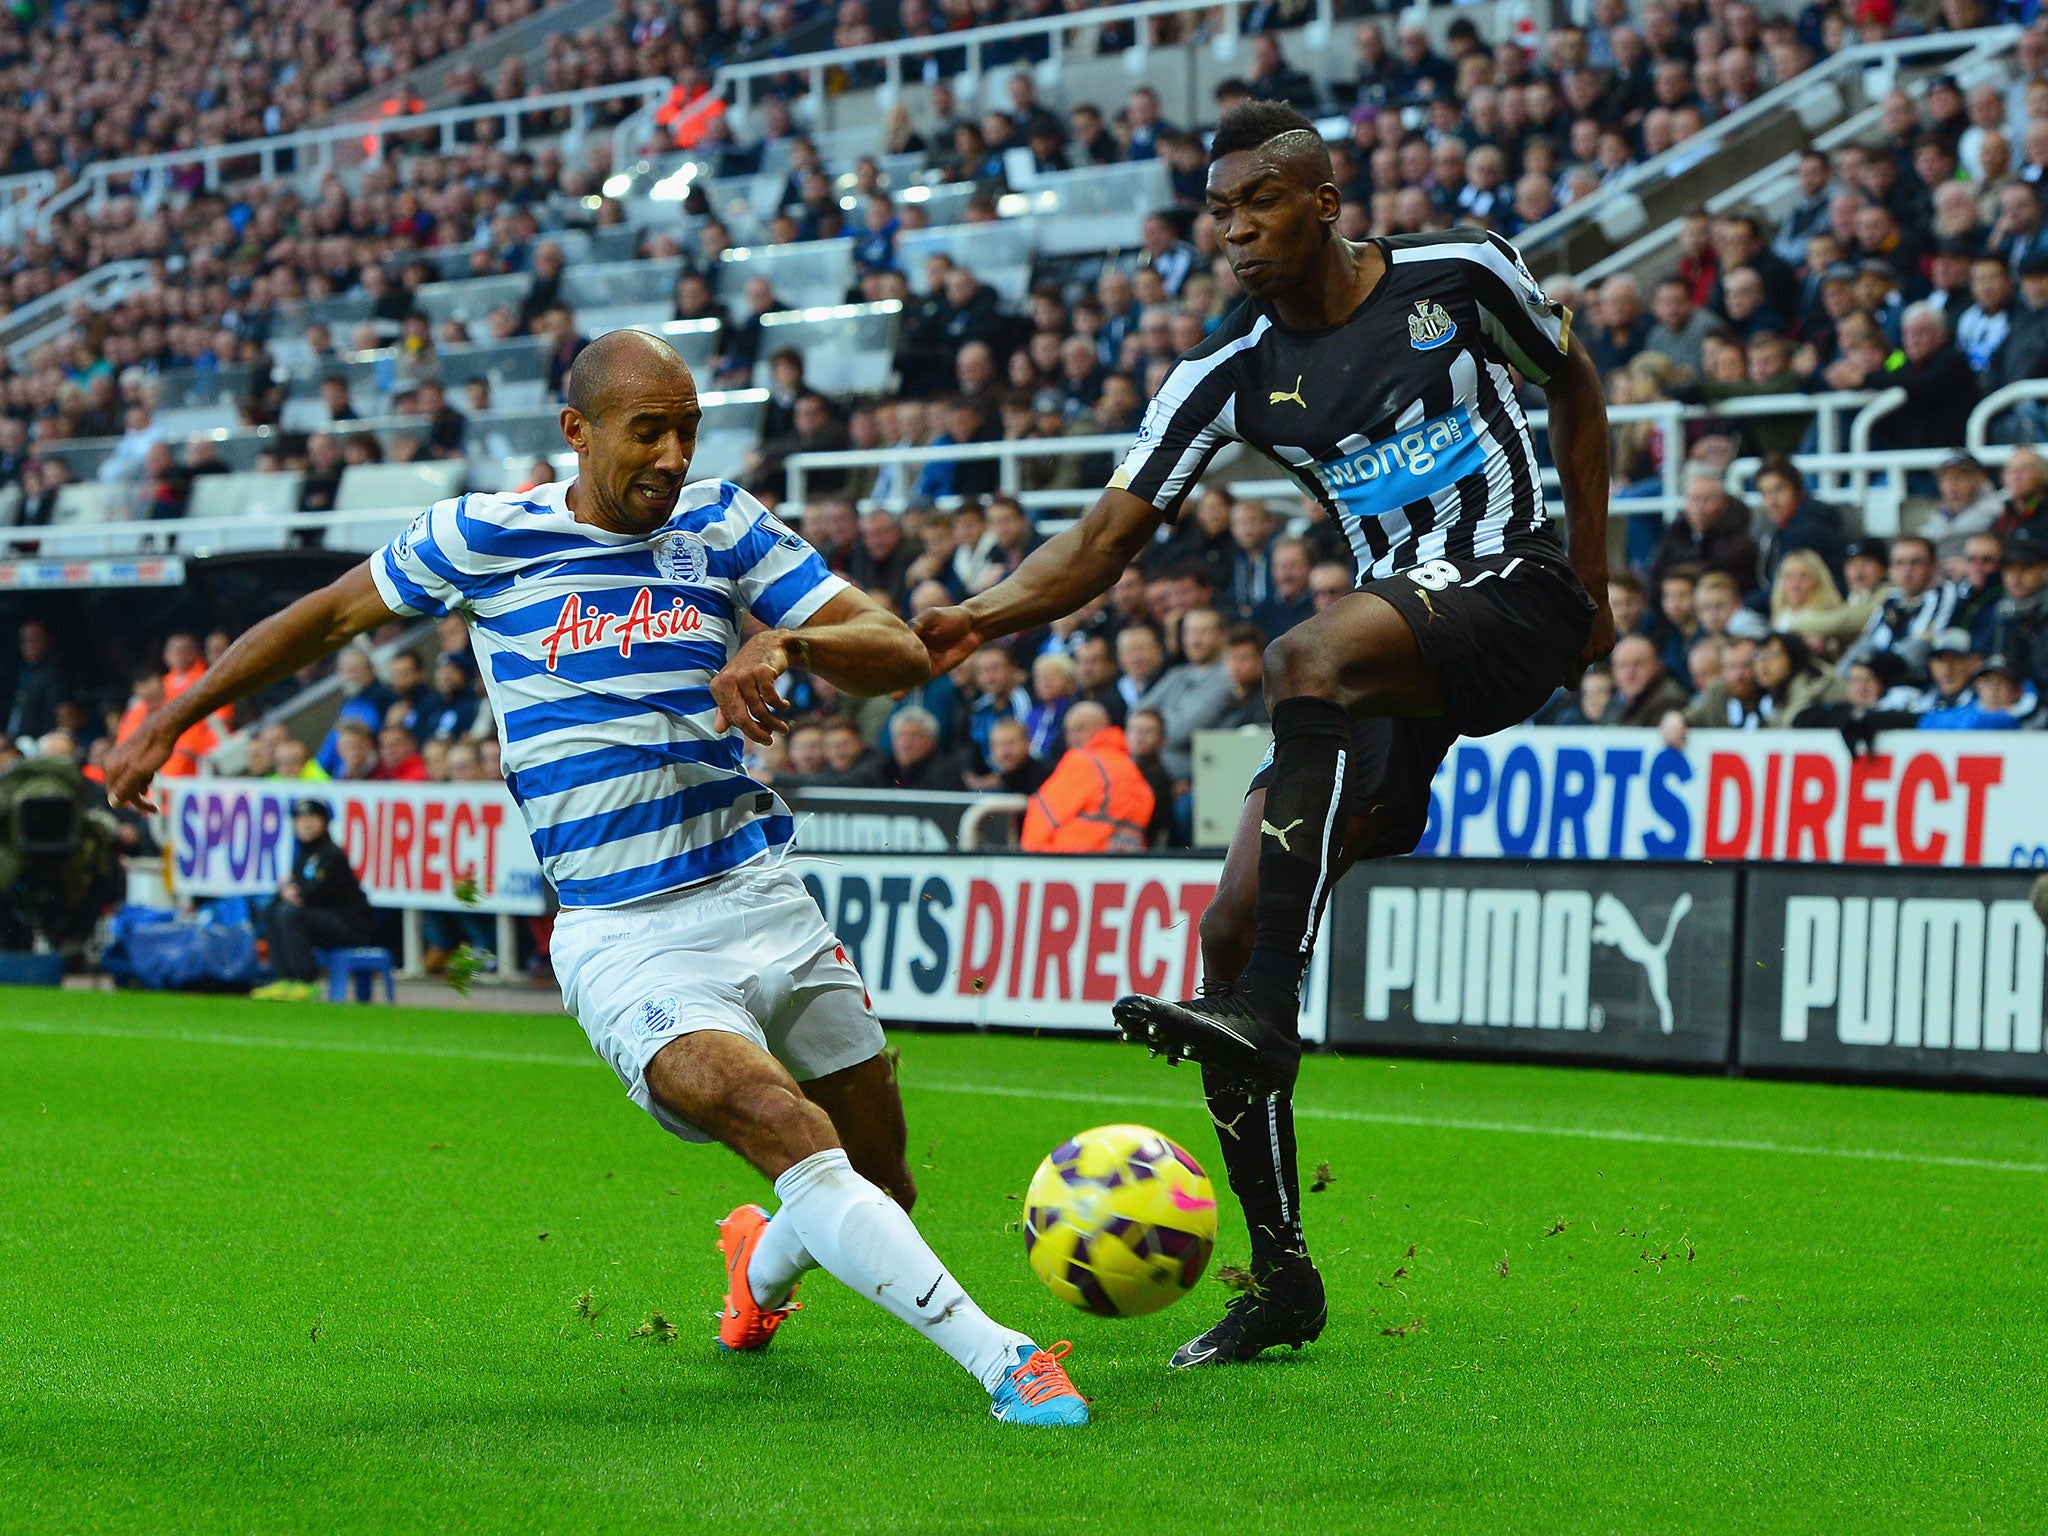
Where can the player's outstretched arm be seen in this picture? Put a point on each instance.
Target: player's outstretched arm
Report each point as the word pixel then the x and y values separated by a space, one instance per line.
pixel 852 642
pixel 315 625
pixel 1579 442
pixel 1068 570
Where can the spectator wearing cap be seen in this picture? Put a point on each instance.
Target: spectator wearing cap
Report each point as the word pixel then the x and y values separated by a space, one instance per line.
pixel 1917 606
pixel 2019 628
pixel 1969 505
pixel 1796 520
pixel 1986 322
pixel 1952 662
pixel 451 711
pixel 321 906
pixel 2001 698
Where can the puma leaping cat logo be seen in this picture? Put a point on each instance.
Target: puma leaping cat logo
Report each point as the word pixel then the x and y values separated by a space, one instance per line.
pixel 1280 833
pixel 1615 926
pixel 1279 396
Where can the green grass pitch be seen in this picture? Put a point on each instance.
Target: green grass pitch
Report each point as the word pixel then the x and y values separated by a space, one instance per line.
pixel 317 1269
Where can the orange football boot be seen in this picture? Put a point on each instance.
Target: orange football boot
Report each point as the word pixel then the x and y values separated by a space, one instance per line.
pixel 745 1323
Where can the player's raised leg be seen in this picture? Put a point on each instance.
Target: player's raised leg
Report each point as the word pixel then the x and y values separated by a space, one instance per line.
pixel 734 1090
pixel 764 1257
pixel 1358 656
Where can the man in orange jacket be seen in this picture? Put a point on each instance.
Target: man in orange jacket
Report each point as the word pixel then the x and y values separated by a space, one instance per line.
pixel 184 665
pixel 1096 800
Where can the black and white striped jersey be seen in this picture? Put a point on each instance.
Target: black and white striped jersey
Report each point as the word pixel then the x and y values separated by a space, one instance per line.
pixel 1402 420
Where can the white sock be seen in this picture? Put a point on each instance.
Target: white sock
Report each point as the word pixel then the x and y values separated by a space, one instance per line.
pixel 863 1238
pixel 778 1261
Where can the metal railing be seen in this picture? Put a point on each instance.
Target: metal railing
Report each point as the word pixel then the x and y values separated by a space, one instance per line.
pixel 1806 95
pixel 1977 432
pixel 314 152
pixel 972 42
pixel 1827 411
pixel 1766 189
pixel 29 325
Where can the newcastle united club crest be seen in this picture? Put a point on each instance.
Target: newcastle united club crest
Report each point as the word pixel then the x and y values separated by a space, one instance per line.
pixel 1430 326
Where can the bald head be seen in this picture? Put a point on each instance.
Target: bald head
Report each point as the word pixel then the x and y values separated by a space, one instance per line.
pixel 631 413
pixel 622 364
pixel 1085 721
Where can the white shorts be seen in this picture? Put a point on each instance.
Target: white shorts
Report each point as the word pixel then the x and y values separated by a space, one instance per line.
pixel 748 953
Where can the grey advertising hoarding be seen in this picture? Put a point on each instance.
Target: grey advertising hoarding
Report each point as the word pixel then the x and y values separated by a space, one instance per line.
pixel 876 820
pixel 1616 961
pixel 1934 973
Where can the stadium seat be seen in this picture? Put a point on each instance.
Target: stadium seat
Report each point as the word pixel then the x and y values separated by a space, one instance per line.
pixel 244 495
pixel 362 967
pixel 93 503
pixel 814 274
pixel 374 487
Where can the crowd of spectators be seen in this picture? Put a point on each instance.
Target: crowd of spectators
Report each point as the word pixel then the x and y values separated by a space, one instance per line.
pixel 111 79
pixel 1501 136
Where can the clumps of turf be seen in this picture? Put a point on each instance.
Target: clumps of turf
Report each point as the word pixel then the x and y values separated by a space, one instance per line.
pixel 1402 1330
pixel 1323 1180
pixel 658 1328
pixel 1238 1278
pixel 464 965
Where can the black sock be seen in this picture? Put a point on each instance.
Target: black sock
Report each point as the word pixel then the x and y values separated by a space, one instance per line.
pixel 1300 837
pixel 1257 1133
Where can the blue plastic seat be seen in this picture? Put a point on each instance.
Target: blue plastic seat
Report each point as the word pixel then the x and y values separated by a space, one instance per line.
pixel 364 965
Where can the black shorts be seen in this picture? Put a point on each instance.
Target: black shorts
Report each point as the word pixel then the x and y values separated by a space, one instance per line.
pixel 1500 633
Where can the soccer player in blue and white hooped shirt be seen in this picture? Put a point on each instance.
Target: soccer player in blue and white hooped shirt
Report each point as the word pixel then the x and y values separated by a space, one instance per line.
pixel 606 616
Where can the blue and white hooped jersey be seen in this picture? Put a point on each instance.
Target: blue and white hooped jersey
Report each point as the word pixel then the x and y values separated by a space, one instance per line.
pixel 597 650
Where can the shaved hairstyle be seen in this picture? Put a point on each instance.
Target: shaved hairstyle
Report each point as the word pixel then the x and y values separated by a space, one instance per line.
pixel 611 360
pixel 1290 139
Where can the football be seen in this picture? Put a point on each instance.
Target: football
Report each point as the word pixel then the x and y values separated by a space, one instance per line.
pixel 1119 1221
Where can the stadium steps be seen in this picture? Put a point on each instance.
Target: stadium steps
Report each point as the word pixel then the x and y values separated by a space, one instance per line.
pixel 1815 109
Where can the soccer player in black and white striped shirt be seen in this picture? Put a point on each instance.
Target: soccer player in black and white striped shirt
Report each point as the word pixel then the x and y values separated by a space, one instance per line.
pixel 1382 374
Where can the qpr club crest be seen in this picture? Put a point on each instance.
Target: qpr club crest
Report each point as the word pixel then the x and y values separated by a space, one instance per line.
pixel 1430 326
pixel 682 558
